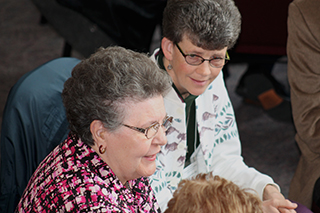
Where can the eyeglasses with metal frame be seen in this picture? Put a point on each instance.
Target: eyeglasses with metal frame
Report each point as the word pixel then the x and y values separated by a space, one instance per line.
pixel 196 60
pixel 152 130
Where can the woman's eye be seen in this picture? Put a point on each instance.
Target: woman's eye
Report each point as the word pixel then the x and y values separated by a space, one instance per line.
pixel 193 56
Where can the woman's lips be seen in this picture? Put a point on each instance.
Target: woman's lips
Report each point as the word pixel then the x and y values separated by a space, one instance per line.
pixel 151 157
pixel 199 82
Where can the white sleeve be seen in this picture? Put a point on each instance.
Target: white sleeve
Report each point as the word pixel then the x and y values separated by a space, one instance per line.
pixel 226 158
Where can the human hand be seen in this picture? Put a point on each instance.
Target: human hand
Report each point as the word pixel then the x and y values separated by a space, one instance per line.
pixel 274 201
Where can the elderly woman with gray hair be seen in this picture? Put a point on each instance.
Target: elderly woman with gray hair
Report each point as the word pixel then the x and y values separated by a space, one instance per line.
pixel 114 105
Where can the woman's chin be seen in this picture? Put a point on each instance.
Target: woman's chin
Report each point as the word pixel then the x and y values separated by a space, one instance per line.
pixel 149 170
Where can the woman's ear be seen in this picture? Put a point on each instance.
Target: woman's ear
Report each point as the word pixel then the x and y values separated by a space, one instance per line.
pixel 98 132
pixel 167 48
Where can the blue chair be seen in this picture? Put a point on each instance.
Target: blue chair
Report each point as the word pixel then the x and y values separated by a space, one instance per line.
pixel 34 122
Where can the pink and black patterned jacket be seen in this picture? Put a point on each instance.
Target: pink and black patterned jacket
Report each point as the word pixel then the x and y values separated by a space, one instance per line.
pixel 73 178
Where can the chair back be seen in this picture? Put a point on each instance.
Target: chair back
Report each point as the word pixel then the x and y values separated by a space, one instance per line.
pixel 34 123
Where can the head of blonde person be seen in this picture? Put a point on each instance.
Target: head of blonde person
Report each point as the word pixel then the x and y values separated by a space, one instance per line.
pixel 114 103
pixel 207 193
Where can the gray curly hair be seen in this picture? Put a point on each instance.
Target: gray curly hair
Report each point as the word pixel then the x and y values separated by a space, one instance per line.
pixel 101 84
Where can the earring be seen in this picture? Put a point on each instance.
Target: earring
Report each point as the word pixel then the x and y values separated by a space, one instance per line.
pixel 169 67
pixel 102 150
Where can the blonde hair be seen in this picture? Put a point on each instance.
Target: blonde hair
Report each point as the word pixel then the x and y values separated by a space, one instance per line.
pixel 208 193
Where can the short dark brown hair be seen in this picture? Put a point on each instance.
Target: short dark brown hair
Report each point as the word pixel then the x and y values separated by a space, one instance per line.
pixel 209 24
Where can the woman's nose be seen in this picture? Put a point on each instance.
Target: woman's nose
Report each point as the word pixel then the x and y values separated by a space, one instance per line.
pixel 160 138
pixel 204 69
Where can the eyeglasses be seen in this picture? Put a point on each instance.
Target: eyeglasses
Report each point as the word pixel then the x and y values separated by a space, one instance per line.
pixel 152 130
pixel 196 60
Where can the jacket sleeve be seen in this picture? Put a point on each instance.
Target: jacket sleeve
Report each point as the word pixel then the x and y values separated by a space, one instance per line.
pixel 227 162
pixel 303 49
pixel 222 147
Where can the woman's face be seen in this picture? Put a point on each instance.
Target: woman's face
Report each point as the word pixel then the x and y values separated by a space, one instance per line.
pixel 129 153
pixel 189 78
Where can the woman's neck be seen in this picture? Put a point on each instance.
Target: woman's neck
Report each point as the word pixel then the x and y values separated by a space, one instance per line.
pixel 184 93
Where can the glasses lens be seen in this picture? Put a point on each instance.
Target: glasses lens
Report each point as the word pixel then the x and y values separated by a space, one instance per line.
pixel 219 62
pixel 152 130
pixel 167 122
pixel 194 59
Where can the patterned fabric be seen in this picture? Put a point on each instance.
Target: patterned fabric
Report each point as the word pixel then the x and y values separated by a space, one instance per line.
pixel 219 151
pixel 73 178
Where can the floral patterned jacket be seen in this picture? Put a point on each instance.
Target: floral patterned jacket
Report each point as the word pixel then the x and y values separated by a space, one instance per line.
pixel 73 178
pixel 219 150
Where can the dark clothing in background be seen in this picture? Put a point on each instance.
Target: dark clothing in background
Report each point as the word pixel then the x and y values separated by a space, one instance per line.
pixel 130 23
pixel 34 122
